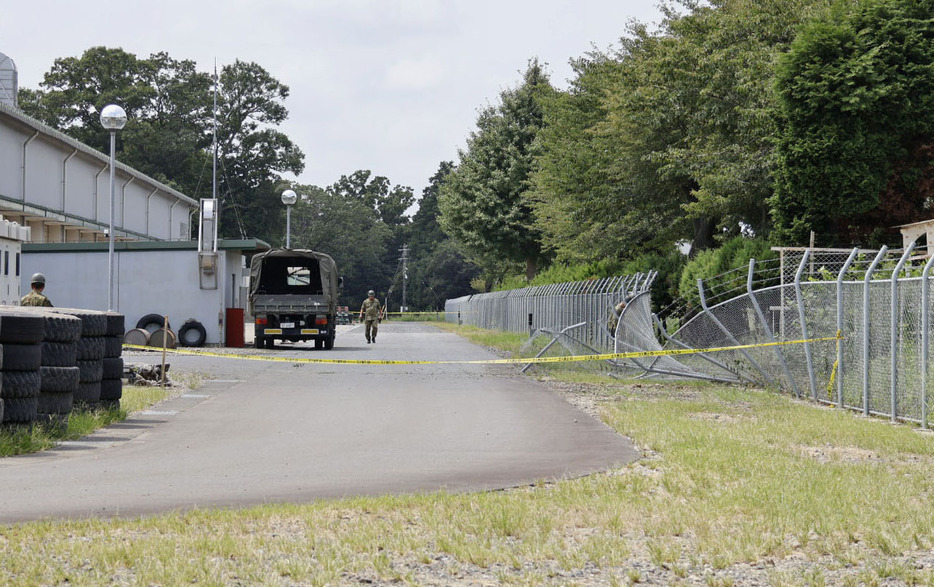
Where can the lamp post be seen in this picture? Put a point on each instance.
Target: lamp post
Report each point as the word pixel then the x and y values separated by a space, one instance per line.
pixel 113 118
pixel 288 198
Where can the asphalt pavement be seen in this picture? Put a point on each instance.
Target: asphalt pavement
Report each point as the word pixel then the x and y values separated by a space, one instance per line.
pixel 259 432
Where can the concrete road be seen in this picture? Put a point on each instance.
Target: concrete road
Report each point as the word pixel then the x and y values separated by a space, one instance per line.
pixel 261 432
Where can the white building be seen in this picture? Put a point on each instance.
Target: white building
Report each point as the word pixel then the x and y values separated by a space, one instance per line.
pixel 60 189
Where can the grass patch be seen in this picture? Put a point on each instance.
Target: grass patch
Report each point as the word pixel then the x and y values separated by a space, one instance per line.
pixel 736 486
pixel 16 440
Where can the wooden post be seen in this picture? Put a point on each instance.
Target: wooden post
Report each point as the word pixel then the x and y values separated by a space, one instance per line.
pixel 165 342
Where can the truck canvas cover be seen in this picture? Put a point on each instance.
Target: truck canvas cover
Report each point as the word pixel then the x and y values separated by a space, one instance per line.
pixel 293 277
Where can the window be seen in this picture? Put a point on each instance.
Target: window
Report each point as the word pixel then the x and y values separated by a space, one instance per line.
pixel 6 262
pixel 17 264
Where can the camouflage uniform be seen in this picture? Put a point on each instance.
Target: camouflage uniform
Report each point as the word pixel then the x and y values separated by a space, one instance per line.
pixel 371 311
pixel 34 298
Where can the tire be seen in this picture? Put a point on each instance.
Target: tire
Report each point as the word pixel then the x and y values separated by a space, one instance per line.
pixel 90 371
pixel 21 357
pixel 20 384
pixel 112 368
pixel 59 354
pixel 329 343
pixel 21 327
pixel 270 342
pixel 152 322
pixel 115 324
pixel 20 410
pixel 61 327
pixel 259 342
pixel 113 346
pixel 192 334
pixel 91 348
pixel 93 323
pixel 111 389
pixel 88 393
pixel 55 403
pixel 58 379
pixel 319 344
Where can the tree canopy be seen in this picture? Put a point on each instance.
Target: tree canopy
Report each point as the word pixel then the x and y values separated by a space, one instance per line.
pixel 856 116
pixel 482 202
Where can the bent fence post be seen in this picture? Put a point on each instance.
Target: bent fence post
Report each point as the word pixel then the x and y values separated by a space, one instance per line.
pixel 894 325
pixel 843 270
pixel 925 339
pixel 866 281
pixel 703 301
pixel 765 326
pixel 799 296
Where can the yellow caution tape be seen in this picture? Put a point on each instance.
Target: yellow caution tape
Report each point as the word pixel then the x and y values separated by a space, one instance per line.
pixel 529 360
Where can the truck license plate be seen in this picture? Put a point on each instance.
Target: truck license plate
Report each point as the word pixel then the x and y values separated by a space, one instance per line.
pixel 287 325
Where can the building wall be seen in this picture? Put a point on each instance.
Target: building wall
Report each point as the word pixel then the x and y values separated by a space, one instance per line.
pixel 50 180
pixel 164 282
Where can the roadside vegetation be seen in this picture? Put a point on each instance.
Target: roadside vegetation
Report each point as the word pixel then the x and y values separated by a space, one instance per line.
pixel 735 486
pixel 16 440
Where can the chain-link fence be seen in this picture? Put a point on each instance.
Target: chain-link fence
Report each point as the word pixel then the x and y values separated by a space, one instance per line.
pixel 590 305
pixel 878 301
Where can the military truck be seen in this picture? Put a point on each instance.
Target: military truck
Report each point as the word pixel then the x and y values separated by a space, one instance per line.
pixel 293 296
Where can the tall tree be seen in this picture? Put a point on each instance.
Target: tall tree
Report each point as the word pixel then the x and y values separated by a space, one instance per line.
pixel 253 153
pixel 483 202
pixel 857 123
pixel 349 231
pixel 169 128
pixel 438 270
pixel 166 100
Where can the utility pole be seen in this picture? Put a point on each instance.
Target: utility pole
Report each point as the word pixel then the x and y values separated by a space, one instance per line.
pixel 405 272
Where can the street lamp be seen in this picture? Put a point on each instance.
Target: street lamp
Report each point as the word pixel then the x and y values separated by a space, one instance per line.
pixel 113 118
pixel 288 198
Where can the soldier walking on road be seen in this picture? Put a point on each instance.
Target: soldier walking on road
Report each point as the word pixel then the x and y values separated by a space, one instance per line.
pixel 371 312
pixel 35 297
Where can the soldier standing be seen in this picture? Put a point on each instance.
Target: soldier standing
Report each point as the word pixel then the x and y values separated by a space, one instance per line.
pixel 35 297
pixel 371 312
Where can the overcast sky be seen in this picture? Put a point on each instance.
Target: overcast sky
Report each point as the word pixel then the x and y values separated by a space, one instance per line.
pixel 393 86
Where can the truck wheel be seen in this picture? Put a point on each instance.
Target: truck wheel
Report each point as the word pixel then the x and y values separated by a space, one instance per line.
pixel 258 342
pixel 270 343
pixel 329 343
pixel 318 344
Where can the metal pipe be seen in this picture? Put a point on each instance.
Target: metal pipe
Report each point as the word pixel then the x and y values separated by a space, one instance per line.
pixel 866 280
pixel 110 236
pixel 799 297
pixel 768 331
pixel 64 175
pixel 843 270
pixel 894 332
pixel 925 339
pixel 25 145
pixel 725 330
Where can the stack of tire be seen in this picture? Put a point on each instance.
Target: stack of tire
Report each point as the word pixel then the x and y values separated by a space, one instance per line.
pixel 21 334
pixel 90 355
pixel 59 370
pixel 112 375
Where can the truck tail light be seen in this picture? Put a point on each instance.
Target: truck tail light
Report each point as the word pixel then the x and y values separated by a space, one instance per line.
pixel 261 320
pixel 321 320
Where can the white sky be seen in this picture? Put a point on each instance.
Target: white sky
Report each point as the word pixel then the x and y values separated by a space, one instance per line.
pixel 393 86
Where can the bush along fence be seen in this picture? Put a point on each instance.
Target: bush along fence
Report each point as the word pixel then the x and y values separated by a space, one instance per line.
pixel 870 308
